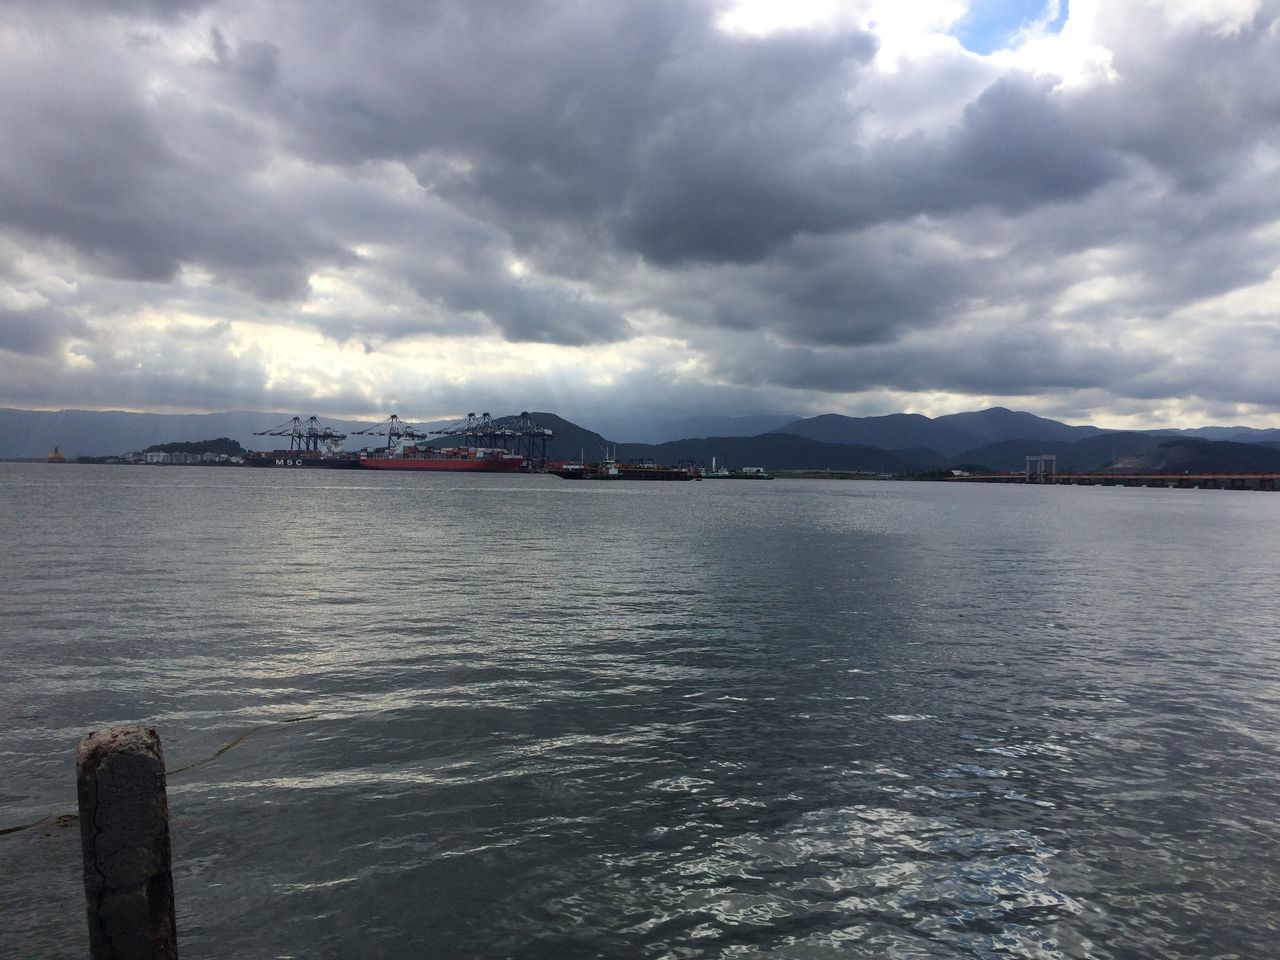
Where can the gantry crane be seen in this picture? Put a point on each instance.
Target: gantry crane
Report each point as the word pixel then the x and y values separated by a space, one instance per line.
pixel 394 429
pixel 520 435
pixel 305 435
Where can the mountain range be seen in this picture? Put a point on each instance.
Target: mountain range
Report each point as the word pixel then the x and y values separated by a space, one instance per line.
pixel 994 439
pixel 947 435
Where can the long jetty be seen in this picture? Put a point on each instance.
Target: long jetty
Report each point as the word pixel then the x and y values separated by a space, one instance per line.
pixel 1177 481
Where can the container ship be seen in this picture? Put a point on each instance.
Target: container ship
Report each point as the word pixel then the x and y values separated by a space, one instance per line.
pixel 311 445
pixel 454 459
pixel 301 458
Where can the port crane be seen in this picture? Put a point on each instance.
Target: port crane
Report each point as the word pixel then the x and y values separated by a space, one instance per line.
pixel 533 439
pixel 522 435
pixel 481 431
pixel 307 435
pixel 394 429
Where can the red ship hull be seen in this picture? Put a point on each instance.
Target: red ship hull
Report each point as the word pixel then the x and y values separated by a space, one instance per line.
pixel 483 464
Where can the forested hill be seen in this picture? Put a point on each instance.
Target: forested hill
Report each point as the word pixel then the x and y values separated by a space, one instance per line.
pixel 220 446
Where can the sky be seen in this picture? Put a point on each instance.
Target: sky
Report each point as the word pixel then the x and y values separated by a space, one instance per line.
pixel 358 207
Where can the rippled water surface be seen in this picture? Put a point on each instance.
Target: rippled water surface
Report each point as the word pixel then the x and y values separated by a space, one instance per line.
pixel 547 719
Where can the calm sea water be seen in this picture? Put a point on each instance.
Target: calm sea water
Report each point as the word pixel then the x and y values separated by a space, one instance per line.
pixel 787 719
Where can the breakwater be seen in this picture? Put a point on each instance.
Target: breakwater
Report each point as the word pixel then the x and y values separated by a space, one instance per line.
pixel 1175 481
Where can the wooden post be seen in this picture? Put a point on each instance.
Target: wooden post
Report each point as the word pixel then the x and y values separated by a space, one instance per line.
pixel 124 837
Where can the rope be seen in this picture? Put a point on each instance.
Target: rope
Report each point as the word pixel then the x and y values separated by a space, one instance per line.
pixel 236 741
pixel 28 826
pixel 66 819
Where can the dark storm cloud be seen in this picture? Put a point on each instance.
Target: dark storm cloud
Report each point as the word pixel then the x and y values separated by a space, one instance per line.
pixel 1192 102
pixel 639 122
pixel 253 63
pixel 632 121
pixel 140 185
pixel 846 290
pixel 164 11
pixel 546 172
pixel 747 154
pixel 37 332
pixel 737 196
pixel 464 280
pixel 988 362
pixel 469 273
pixel 216 382
pixel 514 88
pixel 1016 148
pixel 646 125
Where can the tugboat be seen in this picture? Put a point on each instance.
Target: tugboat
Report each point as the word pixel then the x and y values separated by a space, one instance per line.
pixel 55 457
pixel 716 473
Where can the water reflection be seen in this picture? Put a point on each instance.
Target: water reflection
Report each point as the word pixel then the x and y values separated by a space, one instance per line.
pixel 790 719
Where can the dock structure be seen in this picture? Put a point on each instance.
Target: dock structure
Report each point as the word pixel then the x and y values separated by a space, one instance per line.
pixel 1177 481
pixel 1042 467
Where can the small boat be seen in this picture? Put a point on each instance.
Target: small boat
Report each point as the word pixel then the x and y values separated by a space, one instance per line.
pixel 569 471
pixel 746 473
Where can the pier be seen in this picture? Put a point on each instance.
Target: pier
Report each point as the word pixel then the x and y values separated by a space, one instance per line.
pixel 1176 481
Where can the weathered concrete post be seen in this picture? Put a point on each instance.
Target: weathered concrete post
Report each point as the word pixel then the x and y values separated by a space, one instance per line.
pixel 124 836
